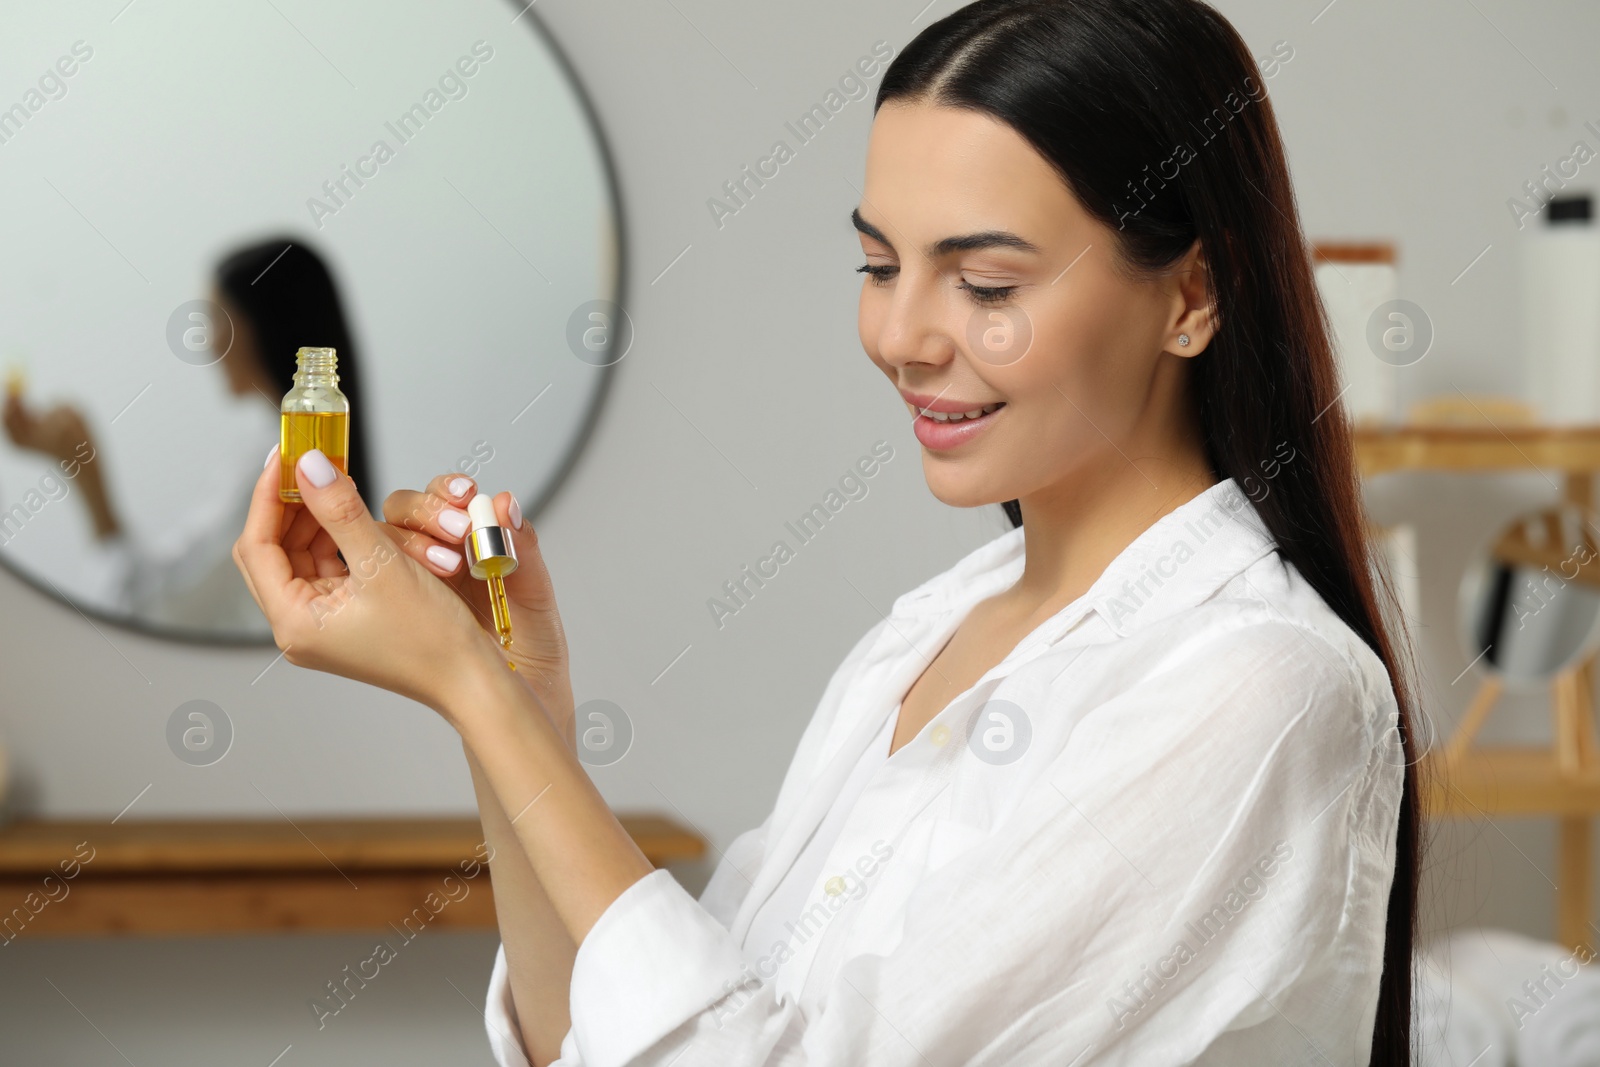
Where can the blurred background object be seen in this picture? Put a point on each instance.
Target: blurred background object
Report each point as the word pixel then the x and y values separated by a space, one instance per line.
pixel 1530 606
pixel 1559 267
pixel 1357 280
pixel 1488 997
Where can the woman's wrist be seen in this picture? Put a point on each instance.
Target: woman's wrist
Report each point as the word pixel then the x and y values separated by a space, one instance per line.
pixel 552 691
pixel 487 691
pixel 580 854
pixel 98 501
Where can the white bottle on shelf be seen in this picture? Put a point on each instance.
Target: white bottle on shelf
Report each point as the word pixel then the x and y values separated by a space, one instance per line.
pixel 1559 261
pixel 1355 280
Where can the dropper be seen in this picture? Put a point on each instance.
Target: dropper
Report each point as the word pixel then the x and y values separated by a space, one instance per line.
pixel 491 556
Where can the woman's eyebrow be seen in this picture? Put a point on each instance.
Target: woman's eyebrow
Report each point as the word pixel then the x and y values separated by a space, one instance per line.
pixel 944 246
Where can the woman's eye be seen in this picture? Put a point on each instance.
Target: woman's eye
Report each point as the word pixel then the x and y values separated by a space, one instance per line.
pixel 987 295
pixel 881 273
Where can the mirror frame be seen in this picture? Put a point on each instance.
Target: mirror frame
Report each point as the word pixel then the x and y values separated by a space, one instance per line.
pixel 565 464
pixel 1478 567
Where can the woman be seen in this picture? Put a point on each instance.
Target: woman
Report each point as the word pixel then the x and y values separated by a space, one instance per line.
pixel 273 296
pixel 1150 801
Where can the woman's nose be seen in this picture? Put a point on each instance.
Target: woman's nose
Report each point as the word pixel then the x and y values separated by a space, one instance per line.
pixel 913 330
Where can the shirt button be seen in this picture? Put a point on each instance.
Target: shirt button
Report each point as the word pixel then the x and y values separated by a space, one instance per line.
pixel 939 735
pixel 834 886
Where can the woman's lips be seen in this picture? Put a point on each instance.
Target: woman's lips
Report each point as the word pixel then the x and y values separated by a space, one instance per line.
pixel 946 435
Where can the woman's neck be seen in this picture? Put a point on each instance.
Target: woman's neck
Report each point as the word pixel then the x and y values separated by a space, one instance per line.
pixel 1074 528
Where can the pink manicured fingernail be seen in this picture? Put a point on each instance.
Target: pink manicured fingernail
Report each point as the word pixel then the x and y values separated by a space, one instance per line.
pixel 516 514
pixel 460 486
pixel 444 558
pixel 273 451
pixel 316 468
pixel 455 522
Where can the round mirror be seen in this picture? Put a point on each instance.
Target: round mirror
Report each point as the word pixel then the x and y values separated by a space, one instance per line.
pixel 1530 602
pixel 196 190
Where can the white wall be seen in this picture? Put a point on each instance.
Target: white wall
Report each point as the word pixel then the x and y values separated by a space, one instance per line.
pixel 1414 121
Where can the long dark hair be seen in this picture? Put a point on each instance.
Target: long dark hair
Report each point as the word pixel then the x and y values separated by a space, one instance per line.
pixel 289 295
pixel 1105 90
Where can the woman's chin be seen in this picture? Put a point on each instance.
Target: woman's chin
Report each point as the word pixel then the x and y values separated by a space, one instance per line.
pixel 971 490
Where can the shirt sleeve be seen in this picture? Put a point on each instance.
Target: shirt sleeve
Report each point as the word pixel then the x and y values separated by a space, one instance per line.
pixel 720 899
pixel 186 576
pixel 1165 881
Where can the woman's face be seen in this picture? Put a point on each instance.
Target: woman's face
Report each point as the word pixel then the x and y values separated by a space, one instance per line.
pixel 1084 361
pixel 231 340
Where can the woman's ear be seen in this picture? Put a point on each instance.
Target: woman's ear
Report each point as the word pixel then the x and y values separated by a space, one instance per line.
pixel 1197 319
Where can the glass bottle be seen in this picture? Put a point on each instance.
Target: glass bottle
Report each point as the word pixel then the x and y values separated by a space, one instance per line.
pixel 315 415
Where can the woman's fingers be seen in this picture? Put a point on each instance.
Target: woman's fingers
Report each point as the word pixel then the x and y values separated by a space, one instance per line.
pixel 238 558
pixel 428 515
pixel 540 645
pixel 529 585
pixel 299 531
pixel 442 559
pixel 331 498
pixel 455 487
pixel 438 510
pixel 258 552
pixel 431 524
pixel 325 557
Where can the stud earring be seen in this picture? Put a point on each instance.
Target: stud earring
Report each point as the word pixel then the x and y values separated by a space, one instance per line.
pixel 1183 339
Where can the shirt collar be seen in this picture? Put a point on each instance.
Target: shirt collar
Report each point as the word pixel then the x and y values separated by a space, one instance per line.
pixel 1178 561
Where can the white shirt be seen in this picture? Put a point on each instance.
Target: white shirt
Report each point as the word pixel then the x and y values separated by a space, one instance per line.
pixel 1186 859
pixel 806 882
pixel 183 575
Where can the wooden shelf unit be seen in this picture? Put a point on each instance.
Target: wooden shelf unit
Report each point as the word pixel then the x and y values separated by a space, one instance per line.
pixel 1570 449
pixel 1461 779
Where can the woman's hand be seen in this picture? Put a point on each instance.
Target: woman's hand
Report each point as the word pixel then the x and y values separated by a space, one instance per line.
pixel 62 434
pixel 431 527
pixel 58 432
pixel 389 620
pixel 379 616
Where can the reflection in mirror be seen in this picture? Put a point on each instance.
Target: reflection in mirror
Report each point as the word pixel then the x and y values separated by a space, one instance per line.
pixel 1530 605
pixel 424 191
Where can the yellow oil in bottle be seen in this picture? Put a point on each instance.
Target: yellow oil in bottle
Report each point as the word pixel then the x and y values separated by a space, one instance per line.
pixel 302 431
pixel 497 600
pixel 502 613
pixel 316 415
pixel 491 556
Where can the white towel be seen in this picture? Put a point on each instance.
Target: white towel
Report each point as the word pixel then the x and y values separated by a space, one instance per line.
pixel 1547 995
pixel 1454 1026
